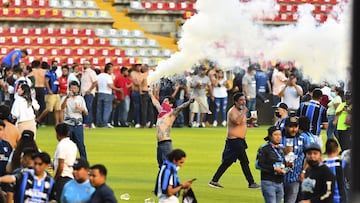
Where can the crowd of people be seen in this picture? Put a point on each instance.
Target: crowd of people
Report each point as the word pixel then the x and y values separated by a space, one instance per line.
pixel 81 97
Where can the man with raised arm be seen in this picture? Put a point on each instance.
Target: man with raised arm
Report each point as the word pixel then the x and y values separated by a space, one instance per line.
pixel 235 146
pixel 166 117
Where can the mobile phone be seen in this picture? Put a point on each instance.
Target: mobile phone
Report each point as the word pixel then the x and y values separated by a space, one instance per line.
pixel 192 180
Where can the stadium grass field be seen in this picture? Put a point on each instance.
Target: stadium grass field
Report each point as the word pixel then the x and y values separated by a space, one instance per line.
pixel 130 157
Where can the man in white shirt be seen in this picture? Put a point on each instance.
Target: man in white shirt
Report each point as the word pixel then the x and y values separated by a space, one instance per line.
pixel 290 94
pixel 105 97
pixel 64 158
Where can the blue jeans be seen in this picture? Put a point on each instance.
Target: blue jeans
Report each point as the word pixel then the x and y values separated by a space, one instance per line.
pixel 89 98
pixel 77 136
pixel 104 108
pixel 251 105
pixel 272 192
pixel 276 99
pixel 220 104
pixel 135 99
pixel 291 191
pixel 179 122
pixel 163 148
pixel 331 130
pixel 124 107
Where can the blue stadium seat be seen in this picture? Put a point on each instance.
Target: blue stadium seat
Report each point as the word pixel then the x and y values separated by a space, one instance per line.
pixel 137 34
pixel 124 33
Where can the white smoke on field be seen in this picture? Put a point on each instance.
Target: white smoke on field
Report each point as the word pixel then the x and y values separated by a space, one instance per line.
pixel 229 34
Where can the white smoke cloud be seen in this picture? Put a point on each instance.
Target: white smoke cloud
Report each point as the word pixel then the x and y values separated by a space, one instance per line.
pixel 228 34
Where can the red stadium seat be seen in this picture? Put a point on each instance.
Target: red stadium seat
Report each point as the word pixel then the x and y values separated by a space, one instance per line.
pixel 54 13
pixel 40 41
pixel 41 51
pixel 64 41
pixel 50 31
pixel 75 41
pixel 42 3
pixel 170 6
pixel 3 50
pixel 66 51
pixel 159 6
pixel 54 52
pixel 30 51
pixel 4 31
pixel 63 32
pixel 27 41
pixel 38 31
pixel 116 52
pixel 90 42
pixel 88 32
pixel 52 41
pixel 91 52
pixel 14 40
pixel 80 52
pixel 102 42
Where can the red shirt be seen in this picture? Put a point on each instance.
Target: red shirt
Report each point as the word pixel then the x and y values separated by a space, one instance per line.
pixel 63 85
pixel 122 82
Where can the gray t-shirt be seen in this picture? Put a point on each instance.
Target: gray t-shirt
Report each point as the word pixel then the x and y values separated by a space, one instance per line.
pixel 204 81
pixel 251 85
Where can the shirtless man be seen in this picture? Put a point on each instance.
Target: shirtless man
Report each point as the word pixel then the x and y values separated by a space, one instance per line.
pixel 135 94
pixel 235 145
pixel 146 110
pixel 166 117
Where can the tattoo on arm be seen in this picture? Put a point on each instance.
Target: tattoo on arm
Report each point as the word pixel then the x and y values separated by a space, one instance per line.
pixel 181 107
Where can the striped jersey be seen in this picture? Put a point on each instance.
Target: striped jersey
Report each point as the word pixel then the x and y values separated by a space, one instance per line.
pixel 166 176
pixel 315 112
pixel 336 167
pixel 297 143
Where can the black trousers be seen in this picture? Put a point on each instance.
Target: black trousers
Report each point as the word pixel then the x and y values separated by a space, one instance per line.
pixel 234 150
pixel 146 109
pixel 59 185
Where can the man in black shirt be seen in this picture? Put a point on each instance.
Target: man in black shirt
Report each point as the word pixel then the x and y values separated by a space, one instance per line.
pixel 318 184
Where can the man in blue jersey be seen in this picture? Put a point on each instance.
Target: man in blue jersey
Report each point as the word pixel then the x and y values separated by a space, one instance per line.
pixel 13 58
pixel 35 186
pixel 281 113
pixel 336 167
pixel 294 153
pixel 79 189
pixel 316 113
pixel 262 84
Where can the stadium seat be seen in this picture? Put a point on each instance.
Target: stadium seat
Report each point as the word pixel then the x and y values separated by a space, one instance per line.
pixel 137 33
pixel 114 42
pixel 103 14
pixel 154 52
pixel 30 51
pixel 166 52
pixel 14 40
pixel 144 60
pixel 66 51
pixel 105 52
pixel 136 5
pixel 75 41
pixel 139 42
pixel 117 60
pixel 41 51
pixel 142 52
pixel 151 43
pixel 42 3
pixel 4 31
pixel 91 13
pixel 38 31
pixel 116 52
pixel 100 32
pixel 125 42
pixel 62 32
pixel 53 41
pixel 27 41
pixel 3 50
pixel 90 42
pixel 91 52
pixel 159 5
pixel 102 42
pixel 112 32
pixel 50 31
pixel 39 41
pixel 170 6
pixel 91 4
pixel 64 41
pixel 148 5
pixel 66 4
pixel 67 13
pixel 54 3
pixel 14 31
pixel 54 51
pixel 124 33
pixel 79 4
pixel 54 13
pixel 88 32
pixel 80 52
pixel 130 52
pixel 78 13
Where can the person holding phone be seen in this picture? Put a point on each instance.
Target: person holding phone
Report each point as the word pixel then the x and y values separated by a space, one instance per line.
pixel 168 185
pixel 74 107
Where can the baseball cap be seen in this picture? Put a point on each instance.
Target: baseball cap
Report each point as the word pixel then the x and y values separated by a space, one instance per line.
pixel 81 163
pixel 291 121
pixel 313 146
pixel 271 130
pixel 281 105
pixel 27 134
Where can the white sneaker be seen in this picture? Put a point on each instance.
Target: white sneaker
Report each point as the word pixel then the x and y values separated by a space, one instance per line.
pixel 109 125
pixel 148 124
pixel 92 125
pixel 137 126
pixel 203 125
pixel 223 123
pixel 215 123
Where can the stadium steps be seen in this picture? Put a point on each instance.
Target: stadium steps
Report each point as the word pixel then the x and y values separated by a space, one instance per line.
pixel 121 21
